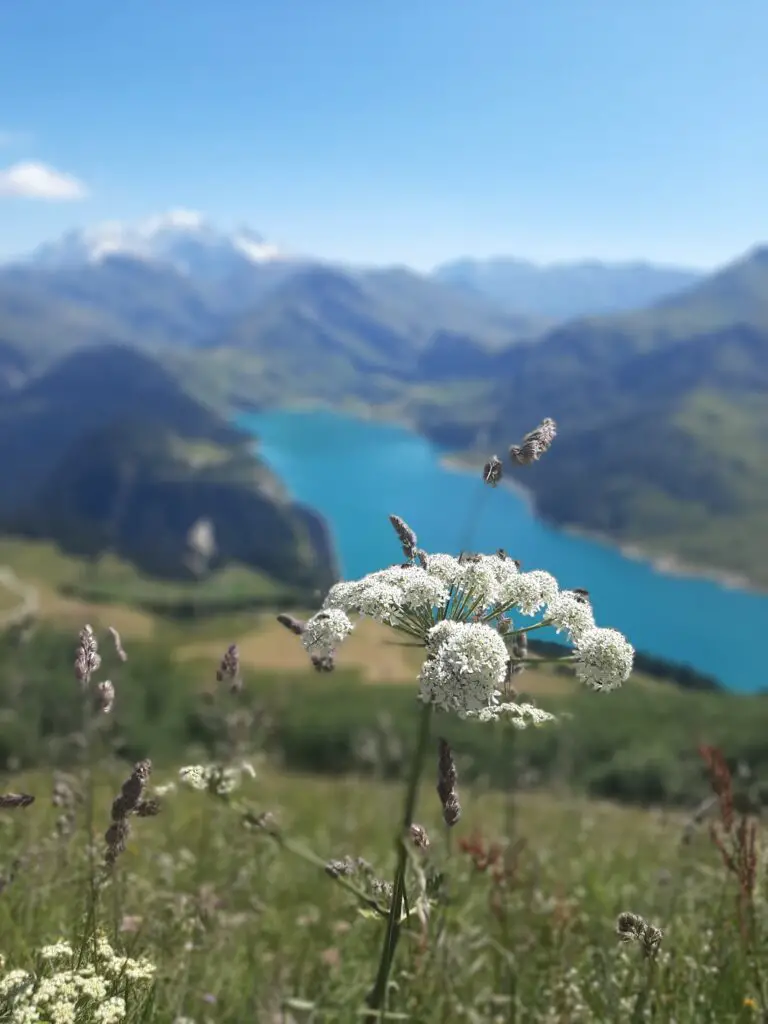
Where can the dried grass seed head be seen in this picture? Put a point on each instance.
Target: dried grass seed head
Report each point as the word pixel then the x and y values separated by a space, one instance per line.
pixel 105 693
pixel 131 790
pixel 406 536
pixel 87 658
pixel 229 667
pixel 419 837
pixel 13 801
pixel 634 928
pixel 296 626
pixel 447 784
pixel 535 443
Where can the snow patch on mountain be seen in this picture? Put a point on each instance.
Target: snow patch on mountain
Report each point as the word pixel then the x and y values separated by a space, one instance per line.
pixel 181 238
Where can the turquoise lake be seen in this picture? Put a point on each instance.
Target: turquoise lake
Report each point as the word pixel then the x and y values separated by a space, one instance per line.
pixel 356 472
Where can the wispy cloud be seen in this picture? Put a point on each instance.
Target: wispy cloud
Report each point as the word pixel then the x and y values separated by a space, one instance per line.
pixel 32 180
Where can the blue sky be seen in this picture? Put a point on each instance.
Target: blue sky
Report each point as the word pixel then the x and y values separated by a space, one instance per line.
pixel 383 131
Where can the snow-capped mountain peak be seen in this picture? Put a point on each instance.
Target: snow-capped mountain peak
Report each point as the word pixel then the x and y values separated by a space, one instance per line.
pixel 182 238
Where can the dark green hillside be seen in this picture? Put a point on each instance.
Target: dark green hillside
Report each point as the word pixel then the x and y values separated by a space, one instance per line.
pixel 327 329
pixel 82 392
pixel 106 452
pixel 137 489
pixel 668 447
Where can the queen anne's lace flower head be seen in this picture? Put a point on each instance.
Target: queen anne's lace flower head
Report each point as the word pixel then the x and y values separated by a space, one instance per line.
pixel 603 658
pixel 464 610
pixel 66 989
pixel 221 780
pixel 439 633
pixel 419 589
pixel 467 670
pixel 480 581
pixel 325 631
pixel 446 568
pixel 519 715
pixel 530 591
pixel 570 614
pixel 342 595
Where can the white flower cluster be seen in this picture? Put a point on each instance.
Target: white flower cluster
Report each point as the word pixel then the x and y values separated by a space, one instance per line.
pixel 603 658
pixel 568 613
pixel 221 780
pixel 519 715
pixel 467 666
pixel 325 631
pixel 387 594
pixel 462 609
pixel 61 992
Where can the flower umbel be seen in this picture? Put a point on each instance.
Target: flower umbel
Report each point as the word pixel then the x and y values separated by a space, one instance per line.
pixel 465 612
pixel 325 631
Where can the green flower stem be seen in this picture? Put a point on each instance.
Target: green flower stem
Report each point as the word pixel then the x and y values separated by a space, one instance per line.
pixel 529 629
pixel 310 857
pixel 378 994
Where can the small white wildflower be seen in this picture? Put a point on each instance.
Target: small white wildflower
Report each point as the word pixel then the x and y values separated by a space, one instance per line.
pixel 420 590
pixel 63 1013
pixel 25 1013
pixel 440 632
pixel 92 987
pixel 194 776
pixel 507 573
pixel 136 970
pixel 568 613
pixel 326 630
pixel 378 600
pixel 467 670
pixel 603 658
pixel 58 951
pixel 110 1012
pixel 519 715
pixel 530 591
pixel 446 568
pixel 342 595
pixel 14 983
pixel 103 949
pixel 165 789
pixel 480 582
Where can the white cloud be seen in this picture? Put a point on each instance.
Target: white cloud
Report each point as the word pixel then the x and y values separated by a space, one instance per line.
pixel 34 180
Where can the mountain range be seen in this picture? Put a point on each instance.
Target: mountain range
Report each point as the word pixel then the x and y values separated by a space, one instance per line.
pixel 561 291
pixel 657 377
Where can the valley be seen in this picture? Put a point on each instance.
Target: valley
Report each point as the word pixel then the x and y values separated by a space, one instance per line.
pixel 660 409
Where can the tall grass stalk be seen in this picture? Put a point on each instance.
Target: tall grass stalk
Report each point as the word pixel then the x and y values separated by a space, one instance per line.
pixel 377 998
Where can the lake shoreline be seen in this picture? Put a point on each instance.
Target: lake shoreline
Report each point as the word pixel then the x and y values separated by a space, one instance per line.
pixel 664 565
pixel 462 462
pixel 669 618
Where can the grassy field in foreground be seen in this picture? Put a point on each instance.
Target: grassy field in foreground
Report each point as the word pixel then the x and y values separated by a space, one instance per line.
pixel 520 924
pixel 512 913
